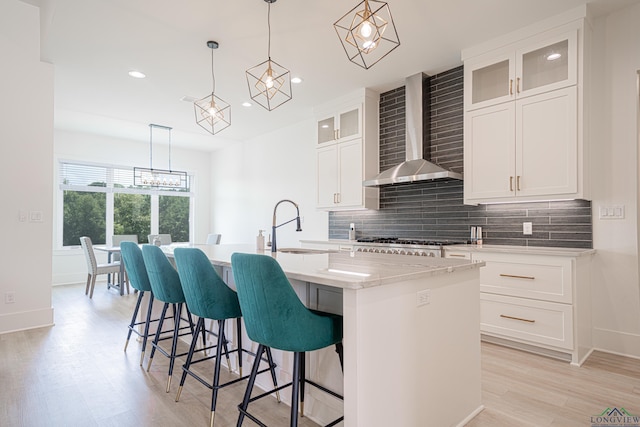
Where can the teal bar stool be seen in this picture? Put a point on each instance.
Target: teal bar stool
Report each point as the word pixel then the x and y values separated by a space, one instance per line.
pixel 166 287
pixel 137 273
pixel 208 297
pixel 275 317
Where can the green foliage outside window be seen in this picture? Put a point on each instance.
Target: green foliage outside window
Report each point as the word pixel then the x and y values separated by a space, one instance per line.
pixel 132 215
pixel 174 217
pixel 85 210
pixel 84 215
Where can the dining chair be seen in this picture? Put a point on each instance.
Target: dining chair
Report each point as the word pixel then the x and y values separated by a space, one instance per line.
pixel 275 317
pixel 165 239
pixel 94 268
pixel 116 239
pixel 213 239
pixel 119 238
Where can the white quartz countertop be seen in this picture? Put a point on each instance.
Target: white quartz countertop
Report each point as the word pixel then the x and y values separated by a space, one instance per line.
pixel 349 270
pixel 531 250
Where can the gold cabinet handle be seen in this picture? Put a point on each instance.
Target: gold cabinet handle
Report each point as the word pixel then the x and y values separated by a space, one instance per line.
pixel 457 256
pixel 517 277
pixel 339 198
pixel 510 183
pixel 510 86
pixel 518 85
pixel 504 316
pixel 335 200
pixel 518 183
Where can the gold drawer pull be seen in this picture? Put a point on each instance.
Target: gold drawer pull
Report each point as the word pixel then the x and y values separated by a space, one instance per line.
pixel 517 277
pixel 457 255
pixel 504 316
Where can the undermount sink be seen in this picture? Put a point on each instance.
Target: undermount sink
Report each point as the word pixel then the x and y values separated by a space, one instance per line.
pixel 306 251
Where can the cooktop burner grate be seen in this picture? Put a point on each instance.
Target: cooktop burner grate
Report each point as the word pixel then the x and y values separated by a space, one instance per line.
pixel 408 241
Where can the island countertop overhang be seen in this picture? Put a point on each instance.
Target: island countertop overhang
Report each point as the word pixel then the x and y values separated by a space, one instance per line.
pixel 344 269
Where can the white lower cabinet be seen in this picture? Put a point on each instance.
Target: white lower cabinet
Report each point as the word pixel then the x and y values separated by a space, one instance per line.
pixel 540 322
pixel 535 301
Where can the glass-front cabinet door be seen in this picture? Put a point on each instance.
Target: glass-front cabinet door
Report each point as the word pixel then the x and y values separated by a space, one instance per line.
pixel 491 80
pixel 342 126
pixel 548 65
pixel 524 70
pixel 350 123
pixel 326 130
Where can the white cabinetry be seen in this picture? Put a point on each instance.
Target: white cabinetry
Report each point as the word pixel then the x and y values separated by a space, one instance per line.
pixel 535 302
pixel 347 152
pixel 524 138
pixel 340 126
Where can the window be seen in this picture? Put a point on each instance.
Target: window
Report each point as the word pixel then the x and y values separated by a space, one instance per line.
pixel 100 201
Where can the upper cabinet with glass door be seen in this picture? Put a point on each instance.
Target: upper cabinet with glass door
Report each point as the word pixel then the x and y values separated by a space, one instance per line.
pixel 340 126
pixel 522 70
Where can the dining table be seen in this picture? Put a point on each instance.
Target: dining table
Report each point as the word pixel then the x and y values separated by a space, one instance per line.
pixel 111 250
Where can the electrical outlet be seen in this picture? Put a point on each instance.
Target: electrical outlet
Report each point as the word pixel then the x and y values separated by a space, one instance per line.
pixel 22 215
pixel 527 228
pixel 424 297
pixel 9 297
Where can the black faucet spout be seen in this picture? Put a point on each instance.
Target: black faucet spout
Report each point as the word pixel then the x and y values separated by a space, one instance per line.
pixel 274 247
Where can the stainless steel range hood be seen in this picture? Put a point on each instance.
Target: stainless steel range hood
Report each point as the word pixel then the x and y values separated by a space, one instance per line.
pixel 415 168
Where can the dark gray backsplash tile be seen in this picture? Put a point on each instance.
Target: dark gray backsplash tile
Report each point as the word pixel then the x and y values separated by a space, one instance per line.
pixel 435 210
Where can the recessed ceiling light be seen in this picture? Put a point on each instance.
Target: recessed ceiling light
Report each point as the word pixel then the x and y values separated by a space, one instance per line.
pixel 296 80
pixel 246 104
pixel 137 74
pixel 553 56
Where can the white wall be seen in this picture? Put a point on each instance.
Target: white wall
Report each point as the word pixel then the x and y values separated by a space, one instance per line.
pixel 68 264
pixel 249 178
pixel 26 139
pixel 616 289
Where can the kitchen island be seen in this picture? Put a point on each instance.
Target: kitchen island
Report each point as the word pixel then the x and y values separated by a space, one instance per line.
pixel 411 335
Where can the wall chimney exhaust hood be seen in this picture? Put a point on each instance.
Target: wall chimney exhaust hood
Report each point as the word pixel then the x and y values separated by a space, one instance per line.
pixel 415 167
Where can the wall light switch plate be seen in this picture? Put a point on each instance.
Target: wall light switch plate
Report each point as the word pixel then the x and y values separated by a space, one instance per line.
pixel 527 228
pixel 612 212
pixel 35 216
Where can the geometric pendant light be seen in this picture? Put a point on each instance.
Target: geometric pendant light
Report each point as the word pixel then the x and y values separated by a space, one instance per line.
pixel 269 82
pixel 212 113
pixel 367 33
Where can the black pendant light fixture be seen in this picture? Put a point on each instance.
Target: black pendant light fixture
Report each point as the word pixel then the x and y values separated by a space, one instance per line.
pixel 269 82
pixel 159 178
pixel 367 33
pixel 212 113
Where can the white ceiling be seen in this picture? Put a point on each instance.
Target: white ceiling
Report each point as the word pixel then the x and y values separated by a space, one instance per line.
pixel 94 43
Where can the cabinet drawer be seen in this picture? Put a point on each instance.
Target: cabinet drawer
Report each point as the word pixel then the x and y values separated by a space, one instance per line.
pixel 538 322
pixel 457 255
pixel 544 278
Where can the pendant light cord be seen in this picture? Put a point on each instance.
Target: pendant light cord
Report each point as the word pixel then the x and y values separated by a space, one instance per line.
pixel 151 147
pixel 213 76
pixel 269 28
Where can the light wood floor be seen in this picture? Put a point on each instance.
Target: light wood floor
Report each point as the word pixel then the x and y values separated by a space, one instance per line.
pixel 76 374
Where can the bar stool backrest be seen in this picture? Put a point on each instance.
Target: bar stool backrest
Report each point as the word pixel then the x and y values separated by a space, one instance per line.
pixel 134 265
pixel 273 314
pixel 206 294
pixel 164 279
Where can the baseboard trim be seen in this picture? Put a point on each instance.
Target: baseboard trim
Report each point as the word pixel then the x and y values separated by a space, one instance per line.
pixel 616 342
pixel 471 416
pixel 25 320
